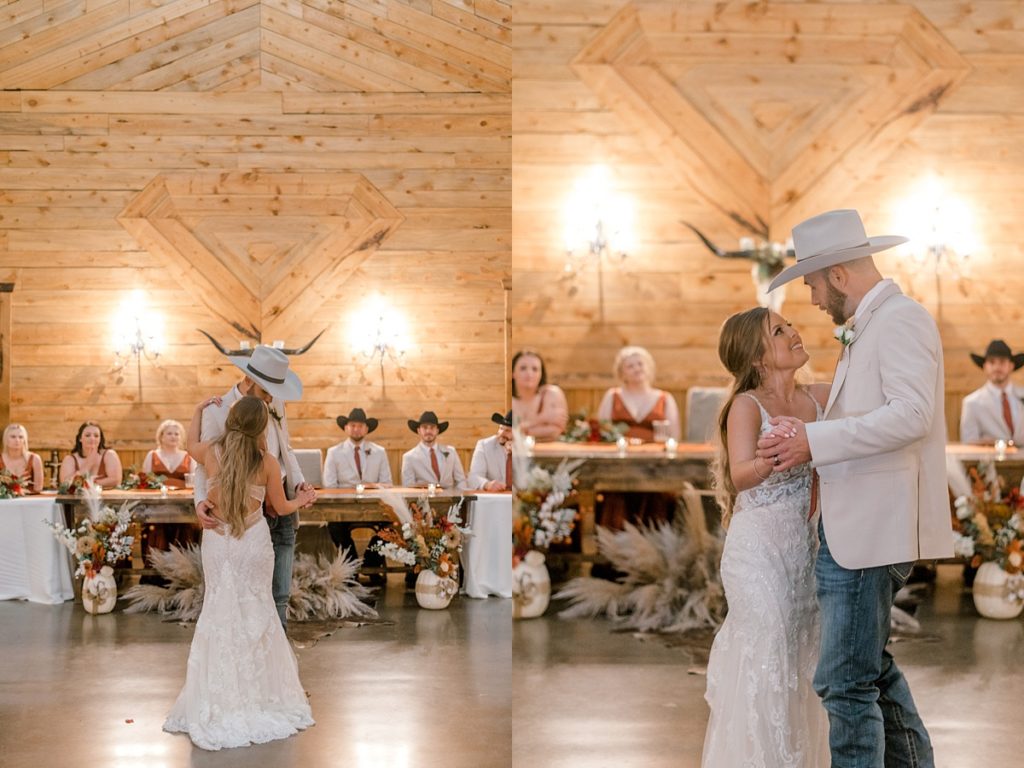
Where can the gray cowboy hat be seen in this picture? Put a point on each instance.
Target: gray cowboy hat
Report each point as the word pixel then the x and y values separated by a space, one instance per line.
pixel 998 348
pixel 358 415
pixel 428 417
pixel 504 421
pixel 828 239
pixel 268 367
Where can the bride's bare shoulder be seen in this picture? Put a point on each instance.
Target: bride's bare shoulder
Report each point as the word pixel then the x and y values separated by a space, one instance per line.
pixel 819 391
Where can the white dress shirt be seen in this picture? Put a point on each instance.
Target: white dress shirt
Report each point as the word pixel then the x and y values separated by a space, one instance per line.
pixel 416 468
pixel 488 463
pixel 340 467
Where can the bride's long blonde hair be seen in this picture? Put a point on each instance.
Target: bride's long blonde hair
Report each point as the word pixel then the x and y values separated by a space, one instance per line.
pixel 240 458
pixel 741 345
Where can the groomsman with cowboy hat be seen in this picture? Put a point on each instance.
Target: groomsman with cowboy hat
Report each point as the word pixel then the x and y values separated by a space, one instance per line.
pixel 994 412
pixel 266 376
pixel 430 462
pixel 491 466
pixel 356 461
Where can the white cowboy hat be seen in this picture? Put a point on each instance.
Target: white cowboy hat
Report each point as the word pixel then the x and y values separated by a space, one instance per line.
pixel 828 239
pixel 268 367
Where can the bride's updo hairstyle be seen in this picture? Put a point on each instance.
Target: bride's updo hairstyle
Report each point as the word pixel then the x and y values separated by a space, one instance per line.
pixel 741 345
pixel 240 458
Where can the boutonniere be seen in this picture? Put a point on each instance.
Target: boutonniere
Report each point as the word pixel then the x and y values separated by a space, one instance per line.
pixel 444 453
pixel 275 415
pixel 845 333
pixel 366 451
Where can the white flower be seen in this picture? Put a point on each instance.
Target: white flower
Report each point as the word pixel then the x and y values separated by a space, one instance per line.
pixel 845 333
pixel 964 546
pixel 1015 559
pixel 963 508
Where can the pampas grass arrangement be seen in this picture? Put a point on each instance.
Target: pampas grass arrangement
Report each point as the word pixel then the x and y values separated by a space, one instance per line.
pixel 321 589
pixel 671 582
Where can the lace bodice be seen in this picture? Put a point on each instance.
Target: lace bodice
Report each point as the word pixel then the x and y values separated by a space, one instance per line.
pixel 780 486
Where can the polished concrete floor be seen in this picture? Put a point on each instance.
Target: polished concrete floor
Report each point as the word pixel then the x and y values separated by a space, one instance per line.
pixel 585 697
pixel 431 689
pixel 441 689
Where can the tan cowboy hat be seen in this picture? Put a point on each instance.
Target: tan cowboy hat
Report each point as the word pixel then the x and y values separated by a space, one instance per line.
pixel 828 239
pixel 268 367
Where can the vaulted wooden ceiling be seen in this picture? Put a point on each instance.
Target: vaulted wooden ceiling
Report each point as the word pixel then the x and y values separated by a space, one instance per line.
pixel 231 45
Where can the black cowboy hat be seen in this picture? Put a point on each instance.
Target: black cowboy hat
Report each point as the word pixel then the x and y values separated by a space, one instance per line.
pixel 358 415
pixel 428 417
pixel 504 421
pixel 998 348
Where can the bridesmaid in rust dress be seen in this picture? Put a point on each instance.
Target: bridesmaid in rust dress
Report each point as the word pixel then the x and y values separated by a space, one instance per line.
pixel 172 461
pixel 17 459
pixel 169 458
pixel 639 404
pixel 91 456
pixel 539 409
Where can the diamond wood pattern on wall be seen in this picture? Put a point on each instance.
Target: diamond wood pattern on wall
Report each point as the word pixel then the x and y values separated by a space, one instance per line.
pixel 756 105
pixel 262 251
pixel 279 45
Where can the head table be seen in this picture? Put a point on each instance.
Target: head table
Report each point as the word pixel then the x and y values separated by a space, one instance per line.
pixel 486 556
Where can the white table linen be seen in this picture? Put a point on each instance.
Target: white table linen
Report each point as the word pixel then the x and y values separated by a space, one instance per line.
pixel 34 565
pixel 487 554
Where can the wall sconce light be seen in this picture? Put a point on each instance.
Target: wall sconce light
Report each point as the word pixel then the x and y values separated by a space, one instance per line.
pixel 137 333
pixel 598 227
pixel 941 229
pixel 378 332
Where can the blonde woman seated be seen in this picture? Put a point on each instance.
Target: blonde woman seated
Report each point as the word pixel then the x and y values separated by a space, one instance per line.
pixel 92 458
pixel 19 461
pixel 539 409
pixel 638 404
pixel 242 680
pixel 169 458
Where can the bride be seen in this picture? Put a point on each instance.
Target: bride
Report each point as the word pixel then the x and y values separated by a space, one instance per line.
pixel 242 681
pixel 764 711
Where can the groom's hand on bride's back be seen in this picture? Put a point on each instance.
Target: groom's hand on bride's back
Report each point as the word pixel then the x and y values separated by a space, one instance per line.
pixel 786 445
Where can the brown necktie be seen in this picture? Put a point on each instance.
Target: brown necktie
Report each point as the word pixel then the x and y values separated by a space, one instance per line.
pixel 434 466
pixel 359 463
pixel 508 471
pixel 1007 416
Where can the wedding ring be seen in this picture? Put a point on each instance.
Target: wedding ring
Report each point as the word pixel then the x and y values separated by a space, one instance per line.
pixel 777 460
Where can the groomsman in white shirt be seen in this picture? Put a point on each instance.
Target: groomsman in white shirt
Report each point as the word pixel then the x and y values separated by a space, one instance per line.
pixel 352 462
pixel 491 466
pixel 430 462
pixel 994 412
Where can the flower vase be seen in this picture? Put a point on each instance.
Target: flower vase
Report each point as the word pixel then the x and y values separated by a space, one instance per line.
pixel 992 593
pixel 531 587
pixel 433 591
pixel 99 591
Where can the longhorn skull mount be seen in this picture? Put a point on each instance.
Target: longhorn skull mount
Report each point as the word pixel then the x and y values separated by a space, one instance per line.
pixel 771 256
pixel 248 352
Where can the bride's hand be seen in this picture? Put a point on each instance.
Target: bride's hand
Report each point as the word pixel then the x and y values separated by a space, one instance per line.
pixel 786 445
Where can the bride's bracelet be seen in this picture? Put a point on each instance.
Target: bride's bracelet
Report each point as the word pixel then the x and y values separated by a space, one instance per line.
pixel 763 477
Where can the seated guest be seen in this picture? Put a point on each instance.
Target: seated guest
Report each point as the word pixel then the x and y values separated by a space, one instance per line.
pixel 491 466
pixel 540 409
pixel 169 458
pixel 635 401
pixel 352 462
pixel 994 412
pixel 91 457
pixel 16 458
pixel 430 462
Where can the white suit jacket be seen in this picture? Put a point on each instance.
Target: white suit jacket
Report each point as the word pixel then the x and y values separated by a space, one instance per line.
pixel 340 466
pixel 416 469
pixel 982 416
pixel 488 462
pixel 880 450
pixel 214 419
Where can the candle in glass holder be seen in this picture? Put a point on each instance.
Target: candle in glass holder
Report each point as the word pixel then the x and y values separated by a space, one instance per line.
pixel 163 491
pixel 529 442
pixel 621 444
pixel 670 446
pixel 431 489
pixel 1000 450
pixel 359 489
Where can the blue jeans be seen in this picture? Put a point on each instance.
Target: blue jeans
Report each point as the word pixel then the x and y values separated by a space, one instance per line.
pixel 282 535
pixel 872 718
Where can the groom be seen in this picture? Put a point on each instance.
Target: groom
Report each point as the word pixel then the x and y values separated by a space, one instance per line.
pixel 268 378
pixel 879 454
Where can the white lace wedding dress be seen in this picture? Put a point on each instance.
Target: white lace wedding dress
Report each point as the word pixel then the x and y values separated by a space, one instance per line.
pixel 242 682
pixel 764 711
